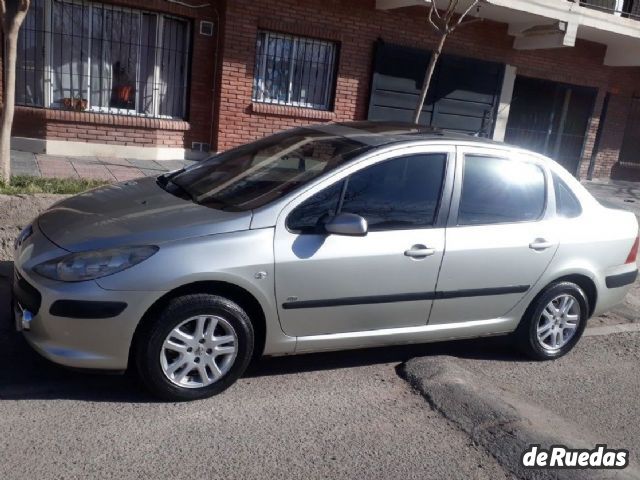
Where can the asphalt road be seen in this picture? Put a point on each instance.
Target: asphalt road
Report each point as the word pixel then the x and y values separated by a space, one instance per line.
pixel 596 387
pixel 346 415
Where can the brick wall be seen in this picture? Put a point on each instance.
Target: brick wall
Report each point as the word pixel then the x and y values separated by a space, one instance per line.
pixel 125 130
pixel 356 25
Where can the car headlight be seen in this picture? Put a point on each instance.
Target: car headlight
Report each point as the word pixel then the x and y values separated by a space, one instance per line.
pixel 78 267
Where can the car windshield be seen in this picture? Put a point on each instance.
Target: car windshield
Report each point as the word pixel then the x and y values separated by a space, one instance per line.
pixel 255 174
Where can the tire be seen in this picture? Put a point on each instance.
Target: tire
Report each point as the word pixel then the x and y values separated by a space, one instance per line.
pixel 190 329
pixel 545 313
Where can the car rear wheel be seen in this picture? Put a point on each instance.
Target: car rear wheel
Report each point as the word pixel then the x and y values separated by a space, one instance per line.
pixel 554 322
pixel 197 347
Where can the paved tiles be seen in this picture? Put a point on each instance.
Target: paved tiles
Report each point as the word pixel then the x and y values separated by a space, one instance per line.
pixel 97 168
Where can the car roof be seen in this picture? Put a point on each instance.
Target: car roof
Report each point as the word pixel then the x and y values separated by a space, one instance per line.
pixel 381 133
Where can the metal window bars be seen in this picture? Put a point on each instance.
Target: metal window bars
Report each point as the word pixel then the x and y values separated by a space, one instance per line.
pixel 630 151
pixel 296 71
pixel 88 56
pixel 622 8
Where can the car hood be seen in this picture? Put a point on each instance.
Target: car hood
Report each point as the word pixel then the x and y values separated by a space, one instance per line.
pixel 138 212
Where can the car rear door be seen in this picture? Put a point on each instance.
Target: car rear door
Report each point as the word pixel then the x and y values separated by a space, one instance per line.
pixel 500 236
pixel 327 284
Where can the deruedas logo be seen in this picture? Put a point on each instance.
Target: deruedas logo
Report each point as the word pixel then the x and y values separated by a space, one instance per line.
pixel 560 456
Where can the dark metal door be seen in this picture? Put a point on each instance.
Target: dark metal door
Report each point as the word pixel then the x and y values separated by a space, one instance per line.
pixel 551 118
pixel 463 97
pixel 630 152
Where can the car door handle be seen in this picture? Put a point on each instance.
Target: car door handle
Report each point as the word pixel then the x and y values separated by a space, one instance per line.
pixel 419 251
pixel 540 244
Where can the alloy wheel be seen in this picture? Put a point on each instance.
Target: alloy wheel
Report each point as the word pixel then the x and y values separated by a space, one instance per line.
pixel 558 322
pixel 199 351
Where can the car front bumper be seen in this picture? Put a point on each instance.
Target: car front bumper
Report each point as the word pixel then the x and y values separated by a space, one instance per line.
pixel 74 324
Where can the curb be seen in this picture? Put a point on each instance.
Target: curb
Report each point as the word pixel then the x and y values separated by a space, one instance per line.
pixel 504 424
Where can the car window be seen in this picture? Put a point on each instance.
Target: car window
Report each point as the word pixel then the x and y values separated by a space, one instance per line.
pixel 306 218
pixel 567 205
pixel 255 174
pixel 395 194
pixel 498 190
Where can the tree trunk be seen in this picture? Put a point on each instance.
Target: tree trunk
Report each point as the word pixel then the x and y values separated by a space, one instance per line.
pixel 428 76
pixel 10 30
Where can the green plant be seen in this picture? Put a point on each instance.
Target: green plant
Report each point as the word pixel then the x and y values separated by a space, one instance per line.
pixel 32 185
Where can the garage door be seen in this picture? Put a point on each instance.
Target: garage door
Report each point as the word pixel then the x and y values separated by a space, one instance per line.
pixel 551 118
pixel 464 93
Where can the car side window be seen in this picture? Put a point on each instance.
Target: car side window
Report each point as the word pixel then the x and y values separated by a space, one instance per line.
pixel 498 190
pixel 306 217
pixel 402 193
pixel 567 205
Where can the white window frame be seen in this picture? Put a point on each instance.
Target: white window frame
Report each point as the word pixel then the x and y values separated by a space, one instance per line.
pixel 258 95
pixel 159 32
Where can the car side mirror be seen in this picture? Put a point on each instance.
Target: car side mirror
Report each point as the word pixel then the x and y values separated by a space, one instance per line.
pixel 348 224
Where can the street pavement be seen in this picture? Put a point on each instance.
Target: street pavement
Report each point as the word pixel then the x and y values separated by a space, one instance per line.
pixel 596 387
pixel 334 416
pixel 506 403
pixel 616 193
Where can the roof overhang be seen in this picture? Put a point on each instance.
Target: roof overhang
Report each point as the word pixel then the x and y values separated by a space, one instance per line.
pixel 544 24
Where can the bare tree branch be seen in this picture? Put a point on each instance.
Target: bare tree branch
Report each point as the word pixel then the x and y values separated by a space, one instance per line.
pixel 429 17
pixel 443 24
pixel 435 8
pixel 466 12
pixel 451 10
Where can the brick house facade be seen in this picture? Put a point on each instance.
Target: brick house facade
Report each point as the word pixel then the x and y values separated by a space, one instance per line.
pixel 224 64
pixel 173 135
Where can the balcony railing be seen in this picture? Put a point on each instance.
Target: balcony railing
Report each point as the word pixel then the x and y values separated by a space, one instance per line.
pixel 621 8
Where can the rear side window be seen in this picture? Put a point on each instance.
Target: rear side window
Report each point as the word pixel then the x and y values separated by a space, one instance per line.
pixel 567 205
pixel 402 193
pixel 498 190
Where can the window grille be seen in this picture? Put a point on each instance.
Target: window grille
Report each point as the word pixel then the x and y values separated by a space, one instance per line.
pixel 88 56
pixel 295 71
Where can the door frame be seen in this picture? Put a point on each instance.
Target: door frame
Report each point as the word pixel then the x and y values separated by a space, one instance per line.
pixel 368 160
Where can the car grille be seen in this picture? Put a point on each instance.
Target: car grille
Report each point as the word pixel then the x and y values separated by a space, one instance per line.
pixel 25 294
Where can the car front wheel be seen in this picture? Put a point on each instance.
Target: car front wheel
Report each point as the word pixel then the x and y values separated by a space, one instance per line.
pixel 554 322
pixel 197 347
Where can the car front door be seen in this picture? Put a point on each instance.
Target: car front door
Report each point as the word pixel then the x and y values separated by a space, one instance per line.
pixel 335 283
pixel 500 236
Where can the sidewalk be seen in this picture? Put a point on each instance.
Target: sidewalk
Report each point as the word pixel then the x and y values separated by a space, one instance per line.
pixel 98 168
pixel 616 193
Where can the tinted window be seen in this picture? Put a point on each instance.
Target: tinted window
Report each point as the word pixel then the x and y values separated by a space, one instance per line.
pixel 397 194
pixel 255 174
pixel 567 205
pixel 306 217
pixel 496 190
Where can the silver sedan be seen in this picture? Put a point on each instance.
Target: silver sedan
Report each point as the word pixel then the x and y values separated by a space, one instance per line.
pixel 321 238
